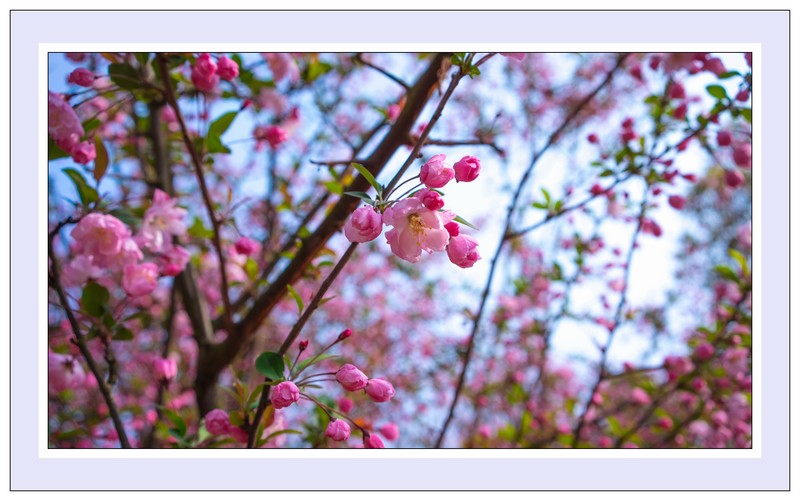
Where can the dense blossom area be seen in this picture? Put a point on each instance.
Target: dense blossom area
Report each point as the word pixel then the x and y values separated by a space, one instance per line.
pixel 400 250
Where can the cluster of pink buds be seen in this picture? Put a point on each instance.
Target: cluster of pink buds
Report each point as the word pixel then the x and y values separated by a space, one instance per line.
pixel 206 73
pixel 419 222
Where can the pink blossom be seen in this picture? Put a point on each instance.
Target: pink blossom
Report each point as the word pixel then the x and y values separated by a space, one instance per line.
pixel 338 430
pixel 742 155
pixel 372 441
pixel 84 152
pixel 163 219
pixel 165 369
pixel 415 228
pixel 128 254
pixel 63 372
pixel 270 99
pixel 81 77
pixel 519 56
pixel 435 173
pixel 390 431
pixel 676 91
pixel 344 404
pixel 245 246
pixel 734 178
pixel 204 73
pixel 284 394
pixel 593 138
pixel 363 225
pixel 351 378
pixel 453 228
pixel 393 112
pixel 677 202
pixel 743 95
pixel 463 251
pixel 173 261
pixel 282 66
pixel 431 199
pixel 680 111
pixel 715 66
pixel 467 169
pixel 218 422
pixel 704 351
pixel 100 235
pixel 640 396
pixel 227 69
pixel 139 279
pixel 63 124
pixel 380 390
pixel 274 135
pixel 80 269
pixel 651 227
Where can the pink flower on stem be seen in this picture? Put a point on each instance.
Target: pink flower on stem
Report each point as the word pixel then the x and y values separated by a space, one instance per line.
pixel 734 178
pixel 218 422
pixel 703 352
pixel 435 173
pixel 415 228
pixel 344 404
pixel 163 219
pixel 227 69
pixel 463 251
pixel 80 269
pixel 430 199
pixel 282 66
pixel 372 441
pixel 363 225
pixel 140 279
pixel 453 228
pixel 81 77
pixel 379 390
pixel 84 152
pixel 742 155
pixel 677 202
pixel 100 235
pixel 284 394
pixel 63 124
pixel 351 378
pixel 204 73
pixel 338 430
pixel 275 136
pixel 165 369
pixel 640 396
pixel 467 169
pixel 245 246
pixel 724 138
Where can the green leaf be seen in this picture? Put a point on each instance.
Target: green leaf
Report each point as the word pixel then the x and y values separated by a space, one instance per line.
pixel 302 365
pixel 251 268
pixel 729 74
pixel 270 365
pixel 359 194
pixel 463 221
pixel 739 258
pixel 142 57
pixel 124 75
pixel 727 273
pixel 717 91
pixel 100 160
pixel 94 299
pixel 123 334
pixel 215 132
pixel 334 187
pixel 297 298
pixel 86 193
pixel 747 113
pixel 368 176
pixel 54 152
pixel 546 195
pixel 199 230
pixel 125 215
pixel 315 70
pixel 539 205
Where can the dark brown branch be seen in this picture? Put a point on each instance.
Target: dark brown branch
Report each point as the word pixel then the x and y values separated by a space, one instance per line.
pixel 359 58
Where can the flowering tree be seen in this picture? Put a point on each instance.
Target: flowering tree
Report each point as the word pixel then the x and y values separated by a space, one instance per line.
pixel 236 250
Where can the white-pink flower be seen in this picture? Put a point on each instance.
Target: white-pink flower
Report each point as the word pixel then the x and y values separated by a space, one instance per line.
pixel 415 228
pixel 100 235
pixel 63 123
pixel 140 279
pixel 161 220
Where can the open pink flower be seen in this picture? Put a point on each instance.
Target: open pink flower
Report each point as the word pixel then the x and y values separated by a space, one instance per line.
pixel 63 124
pixel 80 269
pixel 363 225
pixel 140 279
pixel 165 369
pixel 415 228
pixel 463 251
pixel 218 422
pixel 435 173
pixel 173 261
pixel 100 235
pixel 282 66
pixel 163 219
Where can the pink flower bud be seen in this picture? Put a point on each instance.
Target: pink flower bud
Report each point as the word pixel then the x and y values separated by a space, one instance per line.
pixel 435 173
pixel 677 202
pixel 338 430
pixel 165 369
pixel 204 73
pixel 245 246
pixel 665 423
pixel 227 69
pixel 372 441
pixel 364 225
pixel 218 422
pixel 640 396
pixel 82 77
pixel 284 394
pixel 453 228
pixel 275 136
pixel 743 95
pixel 463 251
pixel 724 138
pixel 351 378
pixel 432 200
pixel 345 334
pixel 140 279
pixel 390 431
pixel 715 66
pixel 345 404
pixel 676 91
pixel 742 155
pixel 304 345
pixel 592 138
pixel 380 390
pixel 467 169
pixel 703 352
pixel 734 178
pixel 680 111
pixel 84 153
